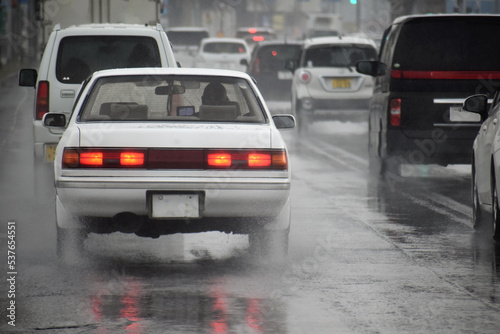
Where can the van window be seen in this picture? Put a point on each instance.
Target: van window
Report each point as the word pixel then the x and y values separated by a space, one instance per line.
pixel 449 44
pixel 338 56
pixel 79 56
pixel 191 38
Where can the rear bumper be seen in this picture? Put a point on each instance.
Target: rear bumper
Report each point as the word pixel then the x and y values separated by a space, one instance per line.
pixel 441 150
pixel 230 200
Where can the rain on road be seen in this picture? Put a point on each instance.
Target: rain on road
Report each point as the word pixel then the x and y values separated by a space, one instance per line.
pixel 365 256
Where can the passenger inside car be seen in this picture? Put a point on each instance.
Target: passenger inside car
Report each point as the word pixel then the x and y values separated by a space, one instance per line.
pixel 216 95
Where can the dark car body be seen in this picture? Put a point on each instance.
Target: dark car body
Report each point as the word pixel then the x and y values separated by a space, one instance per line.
pixel 267 67
pixel 427 66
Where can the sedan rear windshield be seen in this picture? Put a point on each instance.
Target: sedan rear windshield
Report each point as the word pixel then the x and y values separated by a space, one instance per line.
pixel 79 56
pixel 272 58
pixel 449 44
pixel 338 55
pixel 223 47
pixel 144 98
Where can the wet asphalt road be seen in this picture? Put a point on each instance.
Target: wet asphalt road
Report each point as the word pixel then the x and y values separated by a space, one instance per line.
pixel 365 256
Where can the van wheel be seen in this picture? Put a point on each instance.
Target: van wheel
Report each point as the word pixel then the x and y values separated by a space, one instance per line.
pixel 477 214
pixel 495 213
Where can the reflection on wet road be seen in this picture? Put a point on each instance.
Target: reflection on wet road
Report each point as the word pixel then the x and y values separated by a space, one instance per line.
pixel 365 256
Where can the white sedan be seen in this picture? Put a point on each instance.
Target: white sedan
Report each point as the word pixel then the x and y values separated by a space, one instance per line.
pixel 224 53
pixel 163 151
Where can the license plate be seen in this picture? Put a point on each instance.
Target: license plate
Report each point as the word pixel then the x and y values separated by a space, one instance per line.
pixel 285 75
pixel 175 206
pixel 341 83
pixel 457 114
pixel 50 152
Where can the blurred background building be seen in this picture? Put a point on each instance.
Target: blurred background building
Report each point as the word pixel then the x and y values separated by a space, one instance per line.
pixel 25 24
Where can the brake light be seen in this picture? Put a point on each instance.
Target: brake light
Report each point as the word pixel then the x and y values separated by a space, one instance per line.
pixel 395 112
pixel 259 160
pixel 305 77
pixel 252 30
pixel 42 100
pixel 187 159
pixel 274 53
pixel 219 159
pixel 131 158
pixel 258 38
pixel 445 75
pixel 91 158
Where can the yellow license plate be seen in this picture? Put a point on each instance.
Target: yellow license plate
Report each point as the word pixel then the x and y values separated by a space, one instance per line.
pixel 50 152
pixel 341 83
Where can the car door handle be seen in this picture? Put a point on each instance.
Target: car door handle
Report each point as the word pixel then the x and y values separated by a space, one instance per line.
pixel 495 121
pixel 485 128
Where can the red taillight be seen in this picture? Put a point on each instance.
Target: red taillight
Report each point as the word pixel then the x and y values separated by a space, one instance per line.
pixel 91 158
pixel 42 100
pixel 219 159
pixel 259 160
pixel 188 159
pixel 131 158
pixel 305 77
pixel 445 75
pixel 258 38
pixel 395 111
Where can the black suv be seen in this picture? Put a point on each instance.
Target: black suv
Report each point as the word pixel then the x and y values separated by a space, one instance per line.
pixel 267 67
pixel 427 66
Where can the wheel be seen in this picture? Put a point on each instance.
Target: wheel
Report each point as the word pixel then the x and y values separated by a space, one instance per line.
pixel 269 245
pixel 495 213
pixel 477 214
pixel 374 150
pixel 69 246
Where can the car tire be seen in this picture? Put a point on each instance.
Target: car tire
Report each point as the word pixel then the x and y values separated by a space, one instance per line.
pixel 69 246
pixel 495 213
pixel 269 245
pixel 375 161
pixel 477 213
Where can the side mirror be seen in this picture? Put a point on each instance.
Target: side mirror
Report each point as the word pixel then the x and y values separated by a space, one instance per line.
pixel 28 77
pixel 54 120
pixel 244 62
pixel 477 104
pixel 284 121
pixel 371 68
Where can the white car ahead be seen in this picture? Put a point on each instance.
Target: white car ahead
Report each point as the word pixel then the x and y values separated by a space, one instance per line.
pixel 72 54
pixel 224 53
pixel 158 151
pixel 326 79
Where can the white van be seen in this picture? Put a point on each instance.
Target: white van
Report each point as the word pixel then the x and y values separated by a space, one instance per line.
pixel 72 54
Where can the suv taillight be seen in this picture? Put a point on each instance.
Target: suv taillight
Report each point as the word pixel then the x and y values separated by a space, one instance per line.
pixel 42 100
pixel 305 77
pixel 395 111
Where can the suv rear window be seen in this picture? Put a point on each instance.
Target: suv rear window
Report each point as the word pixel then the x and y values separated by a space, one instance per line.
pixel 338 55
pixel 449 44
pixel 224 48
pixel 272 58
pixel 79 56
